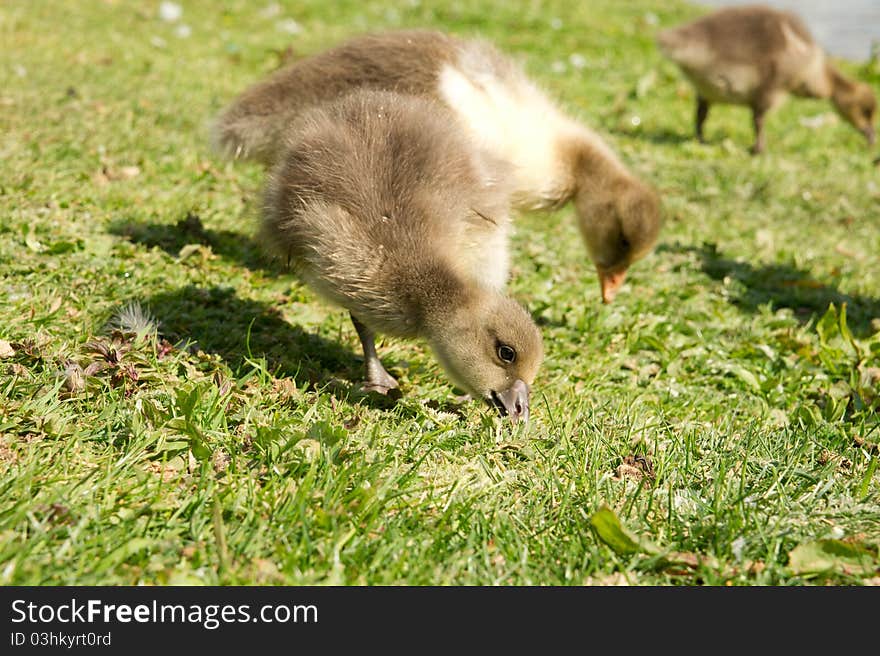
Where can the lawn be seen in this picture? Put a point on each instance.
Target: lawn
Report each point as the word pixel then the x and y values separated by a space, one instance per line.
pixel 716 425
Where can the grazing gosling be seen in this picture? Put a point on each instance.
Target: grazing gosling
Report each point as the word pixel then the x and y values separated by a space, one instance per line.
pixel 756 56
pixel 387 210
pixel 553 157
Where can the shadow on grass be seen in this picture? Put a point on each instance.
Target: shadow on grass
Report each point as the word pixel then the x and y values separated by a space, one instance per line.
pixel 190 230
pixel 784 286
pixel 221 323
pixel 665 136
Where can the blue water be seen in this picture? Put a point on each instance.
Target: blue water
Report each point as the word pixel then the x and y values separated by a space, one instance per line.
pixel 845 28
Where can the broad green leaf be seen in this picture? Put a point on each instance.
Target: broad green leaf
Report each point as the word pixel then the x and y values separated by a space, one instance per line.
pixel 199 446
pixel 187 398
pixel 610 531
pixel 198 443
pixel 832 555
pixel 846 333
pixel 60 247
pixel 866 479
pixel 172 445
pixel 746 376
pixel 31 241
pixel 326 433
pixel 123 553
pixel 828 326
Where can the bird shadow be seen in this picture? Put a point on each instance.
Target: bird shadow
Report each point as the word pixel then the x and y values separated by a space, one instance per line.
pixel 171 238
pixel 783 286
pixel 216 321
pixel 665 136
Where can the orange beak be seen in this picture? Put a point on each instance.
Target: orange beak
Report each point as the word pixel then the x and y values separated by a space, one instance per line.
pixel 610 282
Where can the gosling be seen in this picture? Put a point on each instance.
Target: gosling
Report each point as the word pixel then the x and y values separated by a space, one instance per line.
pixel 756 56
pixel 388 211
pixel 553 157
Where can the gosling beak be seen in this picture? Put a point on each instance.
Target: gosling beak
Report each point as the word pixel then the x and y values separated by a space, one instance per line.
pixel 870 135
pixel 610 282
pixel 514 401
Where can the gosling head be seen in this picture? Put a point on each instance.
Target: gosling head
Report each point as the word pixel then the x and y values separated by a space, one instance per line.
pixel 857 104
pixel 491 348
pixel 620 225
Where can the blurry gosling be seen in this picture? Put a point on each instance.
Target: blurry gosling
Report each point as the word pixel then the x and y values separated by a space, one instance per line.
pixel 385 209
pixel 755 56
pixel 554 158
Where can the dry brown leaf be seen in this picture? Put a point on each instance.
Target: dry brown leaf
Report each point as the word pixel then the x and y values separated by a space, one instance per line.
pixel 635 467
pixel 872 373
pixel 628 471
pixel 615 579
pixel 108 173
pixel 843 250
pixel 755 567
pixel 684 559
pixel 100 178
pixel 74 379
pixel 7 454
pixel 220 460
pixel 204 253
pixel 285 387
pixel 127 172
pixel 166 470
pixel 870 447
pixel 16 369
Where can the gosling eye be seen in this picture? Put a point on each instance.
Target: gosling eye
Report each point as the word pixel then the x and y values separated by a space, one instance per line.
pixel 624 244
pixel 506 353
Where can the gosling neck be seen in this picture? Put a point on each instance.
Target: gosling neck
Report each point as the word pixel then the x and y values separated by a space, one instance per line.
pixel 595 168
pixel 436 297
pixel 838 84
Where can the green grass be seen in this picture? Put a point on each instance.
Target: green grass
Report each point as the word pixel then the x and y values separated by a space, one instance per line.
pixel 717 407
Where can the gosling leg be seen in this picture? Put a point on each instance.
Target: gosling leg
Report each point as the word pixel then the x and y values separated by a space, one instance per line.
pixel 377 380
pixel 758 114
pixel 702 113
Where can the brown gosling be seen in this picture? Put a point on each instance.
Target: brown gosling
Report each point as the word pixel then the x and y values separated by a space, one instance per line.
pixel 386 209
pixel 553 157
pixel 756 56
